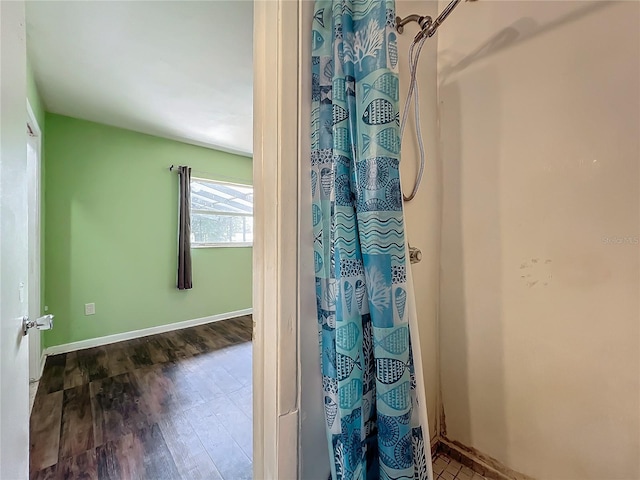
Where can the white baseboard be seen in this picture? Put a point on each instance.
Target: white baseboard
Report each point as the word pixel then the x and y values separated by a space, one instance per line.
pixel 119 337
pixel 43 359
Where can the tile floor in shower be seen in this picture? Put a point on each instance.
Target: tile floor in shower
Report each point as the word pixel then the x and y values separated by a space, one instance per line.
pixel 445 468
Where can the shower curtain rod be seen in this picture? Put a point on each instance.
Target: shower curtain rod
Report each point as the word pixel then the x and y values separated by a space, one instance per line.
pixel 428 25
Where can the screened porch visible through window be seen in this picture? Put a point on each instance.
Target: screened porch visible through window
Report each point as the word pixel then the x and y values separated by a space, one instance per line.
pixel 221 214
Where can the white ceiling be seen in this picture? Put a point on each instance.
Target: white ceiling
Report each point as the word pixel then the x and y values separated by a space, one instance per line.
pixel 175 69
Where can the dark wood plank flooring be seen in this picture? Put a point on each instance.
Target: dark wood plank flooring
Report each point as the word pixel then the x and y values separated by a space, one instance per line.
pixel 171 406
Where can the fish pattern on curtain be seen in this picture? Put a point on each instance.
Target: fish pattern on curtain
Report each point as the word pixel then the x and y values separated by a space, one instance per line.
pixel 370 401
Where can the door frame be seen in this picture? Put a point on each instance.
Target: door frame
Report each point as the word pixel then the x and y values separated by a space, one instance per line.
pixel 35 241
pixel 276 243
pixel 14 355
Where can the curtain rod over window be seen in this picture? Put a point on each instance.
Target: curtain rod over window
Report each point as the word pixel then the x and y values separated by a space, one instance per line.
pixel 215 176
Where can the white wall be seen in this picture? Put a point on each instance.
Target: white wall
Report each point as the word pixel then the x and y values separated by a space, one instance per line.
pixel 422 214
pixel 540 121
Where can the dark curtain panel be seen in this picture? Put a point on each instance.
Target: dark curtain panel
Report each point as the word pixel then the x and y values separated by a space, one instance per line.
pixel 184 233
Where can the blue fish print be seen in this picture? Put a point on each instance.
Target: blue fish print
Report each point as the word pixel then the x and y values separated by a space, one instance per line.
pixel 349 394
pixel 339 114
pixel 341 139
pixel 379 112
pixel 347 336
pixel 396 342
pixel 398 397
pixel 318 39
pixel 344 365
pixel 386 83
pixel 366 142
pixel 317 215
pixel 389 370
pixel 319 17
pixel 387 139
pixel 339 89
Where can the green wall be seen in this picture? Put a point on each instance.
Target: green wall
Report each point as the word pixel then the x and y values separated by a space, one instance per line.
pixel 111 232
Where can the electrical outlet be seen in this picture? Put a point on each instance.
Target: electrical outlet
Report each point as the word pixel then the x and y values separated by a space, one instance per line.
pixel 46 308
pixel 89 308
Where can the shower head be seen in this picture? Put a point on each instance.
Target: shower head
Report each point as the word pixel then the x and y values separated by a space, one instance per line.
pixel 428 25
pixel 423 21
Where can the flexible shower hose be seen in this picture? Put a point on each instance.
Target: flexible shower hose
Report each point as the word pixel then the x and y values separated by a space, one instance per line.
pixel 413 94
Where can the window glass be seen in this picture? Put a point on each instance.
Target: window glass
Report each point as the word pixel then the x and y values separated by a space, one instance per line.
pixel 221 213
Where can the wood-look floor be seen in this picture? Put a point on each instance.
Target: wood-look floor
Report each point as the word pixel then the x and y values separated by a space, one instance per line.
pixel 171 406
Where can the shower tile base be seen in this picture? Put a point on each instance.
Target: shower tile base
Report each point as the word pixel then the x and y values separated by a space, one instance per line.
pixel 446 468
pixel 458 462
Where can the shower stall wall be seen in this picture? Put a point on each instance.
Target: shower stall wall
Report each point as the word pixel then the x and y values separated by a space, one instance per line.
pixel 539 314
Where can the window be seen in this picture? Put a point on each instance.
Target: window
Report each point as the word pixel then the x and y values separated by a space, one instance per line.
pixel 221 214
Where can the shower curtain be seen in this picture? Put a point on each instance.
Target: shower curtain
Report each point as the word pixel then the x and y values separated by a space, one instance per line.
pixel 376 426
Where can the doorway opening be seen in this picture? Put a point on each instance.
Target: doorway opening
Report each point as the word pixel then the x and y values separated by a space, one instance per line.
pixel 145 376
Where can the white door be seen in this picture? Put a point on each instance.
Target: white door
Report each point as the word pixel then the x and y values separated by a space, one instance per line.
pixel 33 194
pixel 14 389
